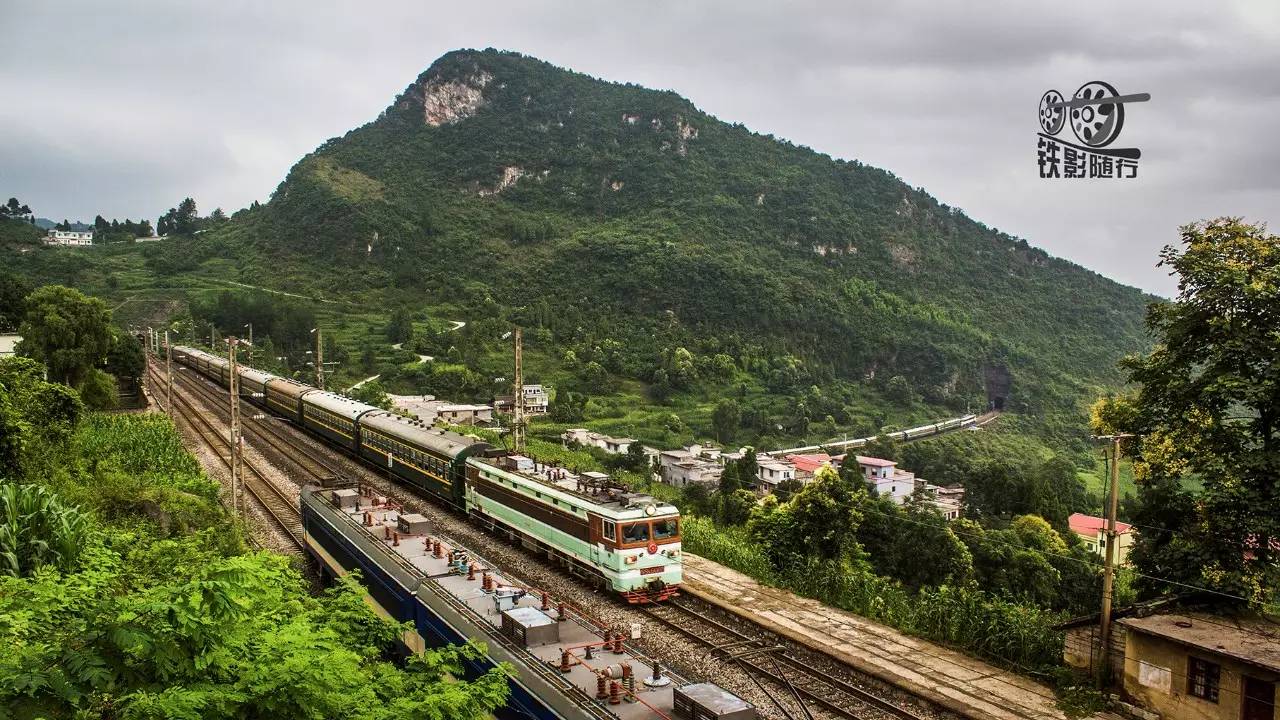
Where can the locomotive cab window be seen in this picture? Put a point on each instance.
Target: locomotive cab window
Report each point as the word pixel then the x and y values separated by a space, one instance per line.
pixel 666 529
pixel 635 532
pixel 609 530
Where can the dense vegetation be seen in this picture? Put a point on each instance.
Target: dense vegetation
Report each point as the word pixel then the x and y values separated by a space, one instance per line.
pixel 657 244
pixel 127 592
pixel 661 260
pixel 1205 406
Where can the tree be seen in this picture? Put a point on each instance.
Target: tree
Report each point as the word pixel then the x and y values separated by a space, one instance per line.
pixel 787 489
pixel 883 446
pixel 14 210
pixel 36 417
pixel 13 293
pixel 68 332
pixel 372 393
pixel 400 326
pixel 725 419
pixel 898 390
pixel 568 406
pixel 185 220
pixel 1208 406
pixel 594 378
pixel 735 507
pixel 730 481
pixel 636 460
pixel 926 551
pixel 821 522
pixel 125 359
pixel 181 220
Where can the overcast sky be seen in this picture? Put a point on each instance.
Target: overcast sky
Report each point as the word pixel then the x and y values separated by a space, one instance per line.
pixel 123 108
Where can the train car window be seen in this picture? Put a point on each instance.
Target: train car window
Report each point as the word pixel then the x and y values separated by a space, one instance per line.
pixel 635 532
pixel 609 530
pixel 663 529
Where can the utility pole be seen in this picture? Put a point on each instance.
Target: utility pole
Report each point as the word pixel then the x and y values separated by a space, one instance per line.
pixel 233 382
pixel 319 359
pixel 168 370
pixel 1108 577
pixel 517 399
pixel 250 326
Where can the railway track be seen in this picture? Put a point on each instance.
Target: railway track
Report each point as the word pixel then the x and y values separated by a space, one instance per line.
pixel 265 430
pixel 276 503
pixel 800 688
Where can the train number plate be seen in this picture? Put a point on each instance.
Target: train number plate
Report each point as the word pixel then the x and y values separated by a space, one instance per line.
pixel 652 570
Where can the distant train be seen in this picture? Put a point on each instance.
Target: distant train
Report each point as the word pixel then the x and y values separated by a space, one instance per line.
pixel 628 542
pixel 915 433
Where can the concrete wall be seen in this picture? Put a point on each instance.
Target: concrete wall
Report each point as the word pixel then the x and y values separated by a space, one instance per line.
pixel 1148 685
pixel 1081 648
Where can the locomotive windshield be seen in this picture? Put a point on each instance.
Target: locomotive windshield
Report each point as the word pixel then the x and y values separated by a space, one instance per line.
pixel 664 529
pixel 635 532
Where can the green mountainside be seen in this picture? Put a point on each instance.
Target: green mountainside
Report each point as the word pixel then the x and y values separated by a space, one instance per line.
pixel 661 260
pixel 630 213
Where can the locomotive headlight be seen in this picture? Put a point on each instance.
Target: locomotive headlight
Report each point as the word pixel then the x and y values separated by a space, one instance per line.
pixel 650 509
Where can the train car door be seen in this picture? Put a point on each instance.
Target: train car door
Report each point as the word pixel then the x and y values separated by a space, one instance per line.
pixel 603 534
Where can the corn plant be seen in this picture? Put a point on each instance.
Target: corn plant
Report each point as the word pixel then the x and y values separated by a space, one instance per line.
pixel 37 530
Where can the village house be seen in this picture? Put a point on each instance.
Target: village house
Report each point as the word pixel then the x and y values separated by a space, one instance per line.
pixel 1201 667
pixel 463 414
pixel 690 465
pixel 1093 531
pixel 587 438
pixel 9 345
pixel 772 472
pixel 888 480
pixel 807 465
pixel 536 401
pixel 68 238
pixel 430 410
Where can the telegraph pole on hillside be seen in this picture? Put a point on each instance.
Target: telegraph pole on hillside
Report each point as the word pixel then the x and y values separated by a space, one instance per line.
pixel 517 399
pixel 1108 577
pixel 233 382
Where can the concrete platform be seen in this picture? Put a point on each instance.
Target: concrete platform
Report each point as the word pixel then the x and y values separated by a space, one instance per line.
pixel 951 679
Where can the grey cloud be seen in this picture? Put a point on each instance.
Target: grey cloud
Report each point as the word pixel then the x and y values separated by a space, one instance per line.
pixel 219 99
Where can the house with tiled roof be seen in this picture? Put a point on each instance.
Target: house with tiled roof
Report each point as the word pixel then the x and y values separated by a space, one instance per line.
pixel 1093 531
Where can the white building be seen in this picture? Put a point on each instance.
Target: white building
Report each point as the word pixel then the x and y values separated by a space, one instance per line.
pixel 536 401
pixel 9 345
pixel 430 410
pixel 693 464
pixel 461 414
pixel 888 480
pixel 68 237
pixel 772 472
pixel 587 438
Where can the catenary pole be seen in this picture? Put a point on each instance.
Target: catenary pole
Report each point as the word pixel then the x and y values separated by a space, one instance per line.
pixel 233 385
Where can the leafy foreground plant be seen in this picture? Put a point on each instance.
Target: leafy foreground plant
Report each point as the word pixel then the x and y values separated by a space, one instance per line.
pixel 37 530
pixel 162 614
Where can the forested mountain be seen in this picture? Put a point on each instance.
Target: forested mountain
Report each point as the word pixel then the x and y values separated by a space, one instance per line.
pixel 604 210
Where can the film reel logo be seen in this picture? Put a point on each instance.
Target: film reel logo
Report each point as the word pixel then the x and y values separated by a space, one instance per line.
pixel 1096 115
